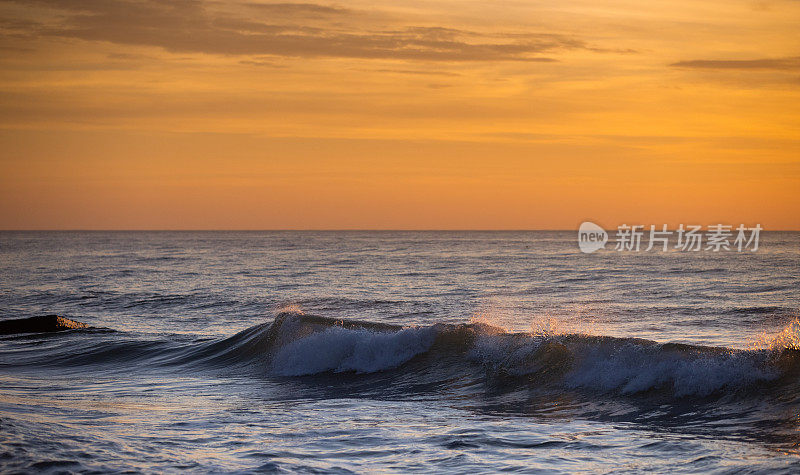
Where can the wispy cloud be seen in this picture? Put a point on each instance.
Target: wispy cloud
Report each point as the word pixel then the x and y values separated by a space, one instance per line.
pixel 792 63
pixel 300 9
pixel 283 29
pixel 416 72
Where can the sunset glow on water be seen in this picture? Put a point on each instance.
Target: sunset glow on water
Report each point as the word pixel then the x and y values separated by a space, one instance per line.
pixel 245 236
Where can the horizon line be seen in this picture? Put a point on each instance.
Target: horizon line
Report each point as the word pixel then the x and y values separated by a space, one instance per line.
pixel 339 230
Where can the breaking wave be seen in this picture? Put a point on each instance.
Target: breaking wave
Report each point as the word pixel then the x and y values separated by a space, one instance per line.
pixel 295 345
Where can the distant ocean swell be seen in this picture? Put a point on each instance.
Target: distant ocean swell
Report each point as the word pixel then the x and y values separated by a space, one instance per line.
pixel 295 345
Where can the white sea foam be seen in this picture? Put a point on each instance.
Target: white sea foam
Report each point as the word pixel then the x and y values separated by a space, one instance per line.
pixel 363 351
pixel 634 368
pixel 626 367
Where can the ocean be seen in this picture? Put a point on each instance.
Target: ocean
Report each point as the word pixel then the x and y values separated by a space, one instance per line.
pixel 397 351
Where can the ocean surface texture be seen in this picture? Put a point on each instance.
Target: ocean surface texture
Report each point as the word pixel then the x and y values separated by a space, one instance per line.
pixel 398 352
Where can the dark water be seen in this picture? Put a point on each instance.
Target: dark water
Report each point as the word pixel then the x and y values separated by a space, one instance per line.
pixel 397 351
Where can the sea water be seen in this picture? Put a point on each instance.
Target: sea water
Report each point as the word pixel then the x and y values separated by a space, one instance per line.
pixel 397 352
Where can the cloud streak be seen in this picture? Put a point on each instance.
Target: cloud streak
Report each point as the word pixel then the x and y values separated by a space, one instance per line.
pixel 283 29
pixel 300 9
pixel 780 64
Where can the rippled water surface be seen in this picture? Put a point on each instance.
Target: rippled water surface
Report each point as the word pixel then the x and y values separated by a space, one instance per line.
pixel 397 351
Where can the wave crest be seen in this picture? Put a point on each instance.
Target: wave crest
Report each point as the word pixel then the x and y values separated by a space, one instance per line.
pixel 573 361
pixel 360 350
pixel 477 354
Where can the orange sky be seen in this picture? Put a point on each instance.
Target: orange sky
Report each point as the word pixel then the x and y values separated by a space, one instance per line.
pixel 398 115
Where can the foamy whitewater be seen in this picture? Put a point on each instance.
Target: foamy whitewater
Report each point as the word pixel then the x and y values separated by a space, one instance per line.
pixel 397 352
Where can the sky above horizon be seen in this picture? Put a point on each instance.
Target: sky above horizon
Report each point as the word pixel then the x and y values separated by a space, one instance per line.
pixel 383 115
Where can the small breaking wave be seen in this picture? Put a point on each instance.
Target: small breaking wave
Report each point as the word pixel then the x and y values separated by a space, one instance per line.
pixel 295 344
pixel 363 351
pixel 626 366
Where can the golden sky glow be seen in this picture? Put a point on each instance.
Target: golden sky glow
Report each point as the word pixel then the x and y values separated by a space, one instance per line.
pixel 397 115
